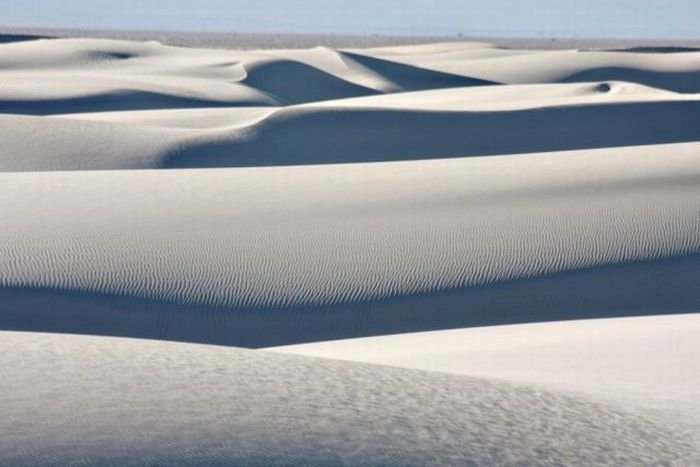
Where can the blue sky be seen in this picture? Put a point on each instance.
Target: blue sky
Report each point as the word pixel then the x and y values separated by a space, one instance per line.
pixel 591 18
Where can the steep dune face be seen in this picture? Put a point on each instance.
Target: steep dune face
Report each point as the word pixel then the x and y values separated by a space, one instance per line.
pixel 68 399
pixel 412 78
pixel 281 78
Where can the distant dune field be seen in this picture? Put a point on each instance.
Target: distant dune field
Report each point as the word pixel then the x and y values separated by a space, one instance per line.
pixel 478 255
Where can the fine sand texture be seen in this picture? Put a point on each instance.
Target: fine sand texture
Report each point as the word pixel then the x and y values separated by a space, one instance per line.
pixel 437 254
pixel 105 401
pixel 642 361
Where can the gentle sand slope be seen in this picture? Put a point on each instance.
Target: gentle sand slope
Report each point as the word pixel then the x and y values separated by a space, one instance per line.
pixel 646 362
pixel 69 399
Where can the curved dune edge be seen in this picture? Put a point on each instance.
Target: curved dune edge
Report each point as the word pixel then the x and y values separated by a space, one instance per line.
pixel 348 134
pixel 459 122
pixel 675 72
pixel 96 104
pixel 116 401
pixel 651 288
pixel 642 361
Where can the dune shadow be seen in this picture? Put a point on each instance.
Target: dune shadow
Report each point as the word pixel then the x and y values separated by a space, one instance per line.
pixel 296 83
pixel 677 81
pixel 115 101
pixel 656 49
pixel 10 38
pixel 331 136
pixel 413 78
pixel 634 289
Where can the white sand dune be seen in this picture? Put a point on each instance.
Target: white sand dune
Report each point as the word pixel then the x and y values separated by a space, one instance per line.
pixel 103 401
pixel 460 122
pixel 323 195
pixel 672 71
pixel 331 251
pixel 646 362
pixel 351 134
pixel 412 107
pixel 73 75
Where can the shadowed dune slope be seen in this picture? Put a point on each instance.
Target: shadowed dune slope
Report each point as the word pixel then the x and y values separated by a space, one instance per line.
pixel 329 135
pixel 267 256
pixel 657 49
pixel 412 78
pixel 118 100
pixel 294 82
pixel 422 125
pixel 133 76
pixel 9 38
pixel 677 72
pixel 679 81
pixel 68 399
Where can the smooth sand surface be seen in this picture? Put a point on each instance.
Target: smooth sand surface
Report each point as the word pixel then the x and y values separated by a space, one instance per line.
pixel 378 207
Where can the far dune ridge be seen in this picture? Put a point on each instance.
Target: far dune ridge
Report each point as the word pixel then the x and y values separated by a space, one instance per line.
pixel 124 105
pixel 515 232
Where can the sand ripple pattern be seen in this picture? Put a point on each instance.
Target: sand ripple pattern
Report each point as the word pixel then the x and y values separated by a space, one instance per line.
pixel 262 239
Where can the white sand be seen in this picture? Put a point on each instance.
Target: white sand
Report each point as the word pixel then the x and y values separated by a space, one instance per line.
pixel 100 401
pixel 341 250
pixel 415 194
pixel 91 84
pixel 648 362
